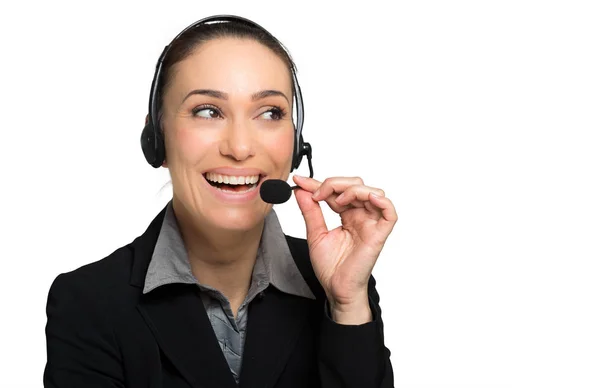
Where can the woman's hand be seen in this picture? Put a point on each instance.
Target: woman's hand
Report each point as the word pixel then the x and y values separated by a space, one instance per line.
pixel 344 257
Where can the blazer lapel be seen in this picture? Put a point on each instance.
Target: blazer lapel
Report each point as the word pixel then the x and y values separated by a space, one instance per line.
pixel 176 316
pixel 274 325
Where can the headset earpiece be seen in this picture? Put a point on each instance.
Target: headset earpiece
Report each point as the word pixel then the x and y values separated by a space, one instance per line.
pixel 152 145
pixel 295 153
pixel 299 152
pixel 306 149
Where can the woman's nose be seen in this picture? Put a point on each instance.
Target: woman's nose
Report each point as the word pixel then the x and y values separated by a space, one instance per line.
pixel 238 141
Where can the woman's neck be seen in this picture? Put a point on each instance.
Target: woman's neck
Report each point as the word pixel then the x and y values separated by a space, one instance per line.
pixel 221 259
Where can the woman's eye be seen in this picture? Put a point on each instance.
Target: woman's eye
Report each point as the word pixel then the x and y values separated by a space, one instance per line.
pixel 207 113
pixel 273 114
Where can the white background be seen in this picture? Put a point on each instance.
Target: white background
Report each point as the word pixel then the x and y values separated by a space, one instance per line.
pixel 479 119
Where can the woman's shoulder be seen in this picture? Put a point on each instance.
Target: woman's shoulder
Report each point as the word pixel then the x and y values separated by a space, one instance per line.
pixel 96 280
pixel 113 273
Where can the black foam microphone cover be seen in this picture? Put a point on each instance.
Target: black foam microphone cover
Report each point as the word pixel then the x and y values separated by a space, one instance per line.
pixel 275 191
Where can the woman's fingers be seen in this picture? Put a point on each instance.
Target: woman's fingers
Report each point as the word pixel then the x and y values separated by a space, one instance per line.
pixel 308 184
pixel 357 192
pixel 335 185
pixel 388 212
pixel 313 216
pixel 340 193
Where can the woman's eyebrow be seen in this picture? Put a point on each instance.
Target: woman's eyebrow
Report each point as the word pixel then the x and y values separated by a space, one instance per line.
pixel 223 96
pixel 207 92
pixel 268 93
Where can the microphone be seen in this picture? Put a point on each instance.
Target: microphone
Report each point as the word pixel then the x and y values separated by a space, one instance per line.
pixel 276 191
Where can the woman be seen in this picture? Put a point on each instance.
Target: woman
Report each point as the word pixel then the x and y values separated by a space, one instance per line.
pixel 214 294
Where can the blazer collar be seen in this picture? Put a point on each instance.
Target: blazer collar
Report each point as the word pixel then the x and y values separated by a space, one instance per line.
pixel 143 247
pixel 169 262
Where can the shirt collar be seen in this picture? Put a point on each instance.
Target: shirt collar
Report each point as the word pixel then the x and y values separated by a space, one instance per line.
pixel 169 262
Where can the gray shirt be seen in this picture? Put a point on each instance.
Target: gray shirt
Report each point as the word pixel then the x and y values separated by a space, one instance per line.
pixel 274 265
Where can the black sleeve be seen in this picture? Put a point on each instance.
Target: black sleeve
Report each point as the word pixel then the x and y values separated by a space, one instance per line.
pixel 81 347
pixel 355 355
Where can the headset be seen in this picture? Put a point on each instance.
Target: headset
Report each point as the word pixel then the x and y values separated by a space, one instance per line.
pixel 152 141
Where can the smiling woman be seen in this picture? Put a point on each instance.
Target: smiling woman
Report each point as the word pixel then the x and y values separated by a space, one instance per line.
pixel 214 293
pixel 226 108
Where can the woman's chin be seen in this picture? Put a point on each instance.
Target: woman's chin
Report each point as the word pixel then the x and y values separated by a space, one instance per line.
pixel 236 219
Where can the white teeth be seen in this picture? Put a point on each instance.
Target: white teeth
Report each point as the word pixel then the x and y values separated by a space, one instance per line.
pixel 232 180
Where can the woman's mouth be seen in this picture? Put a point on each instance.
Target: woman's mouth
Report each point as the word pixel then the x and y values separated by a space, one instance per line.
pixel 233 184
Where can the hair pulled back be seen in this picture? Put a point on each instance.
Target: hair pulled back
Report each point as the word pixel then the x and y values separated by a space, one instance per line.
pixel 192 39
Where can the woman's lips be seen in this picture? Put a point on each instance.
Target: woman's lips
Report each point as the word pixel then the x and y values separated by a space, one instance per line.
pixel 232 196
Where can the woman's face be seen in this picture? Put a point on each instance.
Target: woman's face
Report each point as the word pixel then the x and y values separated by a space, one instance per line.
pixel 227 113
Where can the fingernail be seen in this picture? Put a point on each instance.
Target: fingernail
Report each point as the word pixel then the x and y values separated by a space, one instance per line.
pixel 300 176
pixel 315 194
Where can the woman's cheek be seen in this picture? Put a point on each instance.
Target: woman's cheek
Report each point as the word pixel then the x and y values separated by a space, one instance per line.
pixel 280 145
pixel 193 144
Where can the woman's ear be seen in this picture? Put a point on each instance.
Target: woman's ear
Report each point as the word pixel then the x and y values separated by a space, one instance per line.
pixel 147 119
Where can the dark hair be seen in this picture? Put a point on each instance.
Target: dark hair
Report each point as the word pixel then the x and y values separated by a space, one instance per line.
pixel 188 42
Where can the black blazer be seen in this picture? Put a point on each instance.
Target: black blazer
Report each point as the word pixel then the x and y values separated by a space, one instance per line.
pixel 103 332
